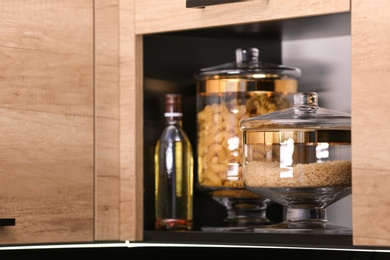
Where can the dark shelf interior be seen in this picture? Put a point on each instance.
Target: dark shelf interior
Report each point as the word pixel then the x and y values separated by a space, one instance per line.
pixel 170 60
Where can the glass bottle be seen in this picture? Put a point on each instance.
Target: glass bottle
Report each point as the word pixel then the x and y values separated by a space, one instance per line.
pixel 173 172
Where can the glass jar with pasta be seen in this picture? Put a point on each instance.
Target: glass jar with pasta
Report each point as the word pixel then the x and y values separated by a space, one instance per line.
pixel 226 94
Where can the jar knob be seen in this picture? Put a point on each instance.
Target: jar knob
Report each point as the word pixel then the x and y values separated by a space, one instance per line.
pixel 305 102
pixel 247 55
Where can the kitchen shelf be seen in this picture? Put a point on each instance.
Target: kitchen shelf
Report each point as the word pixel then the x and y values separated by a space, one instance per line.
pixel 169 60
pixel 270 241
pixel 176 250
pixel 251 238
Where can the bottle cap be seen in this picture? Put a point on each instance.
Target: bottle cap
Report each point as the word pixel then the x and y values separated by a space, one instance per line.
pixel 173 105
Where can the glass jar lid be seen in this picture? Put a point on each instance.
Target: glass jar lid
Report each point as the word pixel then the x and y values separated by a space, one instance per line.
pixel 247 65
pixel 304 114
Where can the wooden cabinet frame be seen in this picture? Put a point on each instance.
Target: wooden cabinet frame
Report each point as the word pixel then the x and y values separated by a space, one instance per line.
pixel 370 109
pixel 115 152
pixel 370 122
pixel 119 120
pixel 115 116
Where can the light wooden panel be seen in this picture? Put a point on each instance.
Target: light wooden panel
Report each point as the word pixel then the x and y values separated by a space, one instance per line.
pixel 131 125
pixel 170 15
pixel 370 122
pixel 107 119
pixel 46 117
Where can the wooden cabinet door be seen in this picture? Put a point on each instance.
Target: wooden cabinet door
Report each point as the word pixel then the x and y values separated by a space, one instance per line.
pixel 47 120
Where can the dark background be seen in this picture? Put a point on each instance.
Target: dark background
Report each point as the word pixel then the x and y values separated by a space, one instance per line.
pixel 170 62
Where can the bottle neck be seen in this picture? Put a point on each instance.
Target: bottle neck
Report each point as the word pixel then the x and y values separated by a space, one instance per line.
pixel 173 118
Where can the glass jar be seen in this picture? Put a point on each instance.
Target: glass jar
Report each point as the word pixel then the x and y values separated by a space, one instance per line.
pixel 299 157
pixel 227 94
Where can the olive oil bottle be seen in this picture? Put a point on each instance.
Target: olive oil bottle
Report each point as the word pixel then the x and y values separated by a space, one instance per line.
pixel 174 169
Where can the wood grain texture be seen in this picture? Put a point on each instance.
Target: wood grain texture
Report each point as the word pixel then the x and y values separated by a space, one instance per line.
pixel 46 113
pixel 370 122
pixel 172 15
pixel 107 120
pixel 131 125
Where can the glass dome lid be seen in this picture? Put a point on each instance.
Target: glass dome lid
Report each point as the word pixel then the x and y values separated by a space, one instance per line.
pixel 304 114
pixel 247 65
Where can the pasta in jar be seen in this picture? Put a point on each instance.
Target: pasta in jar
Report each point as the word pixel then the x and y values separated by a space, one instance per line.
pixel 219 147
